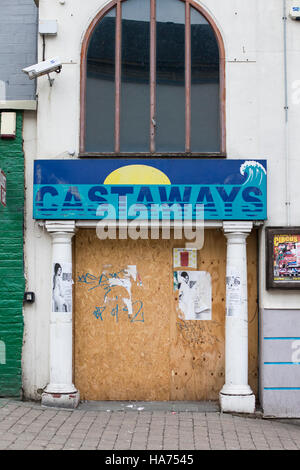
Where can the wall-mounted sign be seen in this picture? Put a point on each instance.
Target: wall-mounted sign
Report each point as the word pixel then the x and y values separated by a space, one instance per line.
pixel 283 257
pixel 194 290
pixel 125 189
pixel 2 188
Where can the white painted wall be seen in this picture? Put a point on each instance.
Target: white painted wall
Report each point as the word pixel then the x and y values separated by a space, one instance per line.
pixel 37 259
pixel 253 36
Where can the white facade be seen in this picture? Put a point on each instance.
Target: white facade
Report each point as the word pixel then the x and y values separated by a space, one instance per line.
pixel 256 128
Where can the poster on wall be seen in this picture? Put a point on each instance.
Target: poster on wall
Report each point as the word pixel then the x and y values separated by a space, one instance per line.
pixel 233 292
pixel 283 257
pixel 62 287
pixel 194 294
pixel 185 258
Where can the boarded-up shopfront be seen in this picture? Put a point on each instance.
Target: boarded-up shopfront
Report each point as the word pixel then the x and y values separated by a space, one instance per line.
pixel 131 340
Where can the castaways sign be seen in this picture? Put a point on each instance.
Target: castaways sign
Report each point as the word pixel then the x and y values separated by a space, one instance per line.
pixel 180 189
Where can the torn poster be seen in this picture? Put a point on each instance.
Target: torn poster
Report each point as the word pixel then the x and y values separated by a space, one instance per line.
pixel 233 292
pixel 194 300
pixel 62 287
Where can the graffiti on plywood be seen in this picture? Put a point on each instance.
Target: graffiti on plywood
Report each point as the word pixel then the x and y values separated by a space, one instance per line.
pixel 111 302
pixel 200 333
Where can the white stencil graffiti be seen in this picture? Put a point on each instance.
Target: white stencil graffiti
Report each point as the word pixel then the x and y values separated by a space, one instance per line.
pixel 130 272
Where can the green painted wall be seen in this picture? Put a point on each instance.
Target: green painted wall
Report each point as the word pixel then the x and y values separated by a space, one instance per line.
pixel 11 264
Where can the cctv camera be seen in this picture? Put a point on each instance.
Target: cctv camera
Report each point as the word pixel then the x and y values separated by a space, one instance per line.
pixel 43 68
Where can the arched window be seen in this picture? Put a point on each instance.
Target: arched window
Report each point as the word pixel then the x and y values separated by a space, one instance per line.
pixel 152 81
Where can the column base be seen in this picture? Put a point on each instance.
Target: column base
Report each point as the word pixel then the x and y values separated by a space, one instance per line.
pixel 61 400
pixel 237 403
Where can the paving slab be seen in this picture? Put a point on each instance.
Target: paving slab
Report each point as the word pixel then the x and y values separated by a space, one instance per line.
pixel 144 426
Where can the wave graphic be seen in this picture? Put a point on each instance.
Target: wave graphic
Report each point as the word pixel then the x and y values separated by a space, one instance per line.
pixel 255 172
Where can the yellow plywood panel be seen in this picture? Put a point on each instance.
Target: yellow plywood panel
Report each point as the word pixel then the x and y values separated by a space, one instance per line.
pixel 150 353
pixel 197 347
pixel 120 356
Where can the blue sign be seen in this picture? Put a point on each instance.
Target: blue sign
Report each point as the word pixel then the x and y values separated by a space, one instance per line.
pixel 126 189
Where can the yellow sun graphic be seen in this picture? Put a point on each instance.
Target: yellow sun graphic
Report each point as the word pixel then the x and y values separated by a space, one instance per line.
pixel 137 174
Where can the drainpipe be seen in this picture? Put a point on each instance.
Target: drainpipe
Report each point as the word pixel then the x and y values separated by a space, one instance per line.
pixel 286 125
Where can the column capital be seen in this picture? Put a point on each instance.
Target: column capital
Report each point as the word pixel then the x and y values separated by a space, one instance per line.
pixel 232 226
pixel 60 226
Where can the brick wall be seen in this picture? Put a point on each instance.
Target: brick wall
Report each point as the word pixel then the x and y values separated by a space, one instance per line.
pixel 18 48
pixel 11 264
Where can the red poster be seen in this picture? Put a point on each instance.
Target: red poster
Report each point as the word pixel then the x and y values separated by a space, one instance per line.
pixel 184 258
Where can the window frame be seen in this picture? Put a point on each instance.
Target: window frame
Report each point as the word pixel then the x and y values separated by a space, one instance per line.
pixel 152 154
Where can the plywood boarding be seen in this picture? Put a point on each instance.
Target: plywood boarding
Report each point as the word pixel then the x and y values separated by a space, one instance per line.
pixel 150 354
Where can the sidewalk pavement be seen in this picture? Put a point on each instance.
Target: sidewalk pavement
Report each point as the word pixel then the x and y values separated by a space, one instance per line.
pixel 140 426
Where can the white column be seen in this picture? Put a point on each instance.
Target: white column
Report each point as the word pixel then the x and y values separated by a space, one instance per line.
pixel 236 394
pixel 61 392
